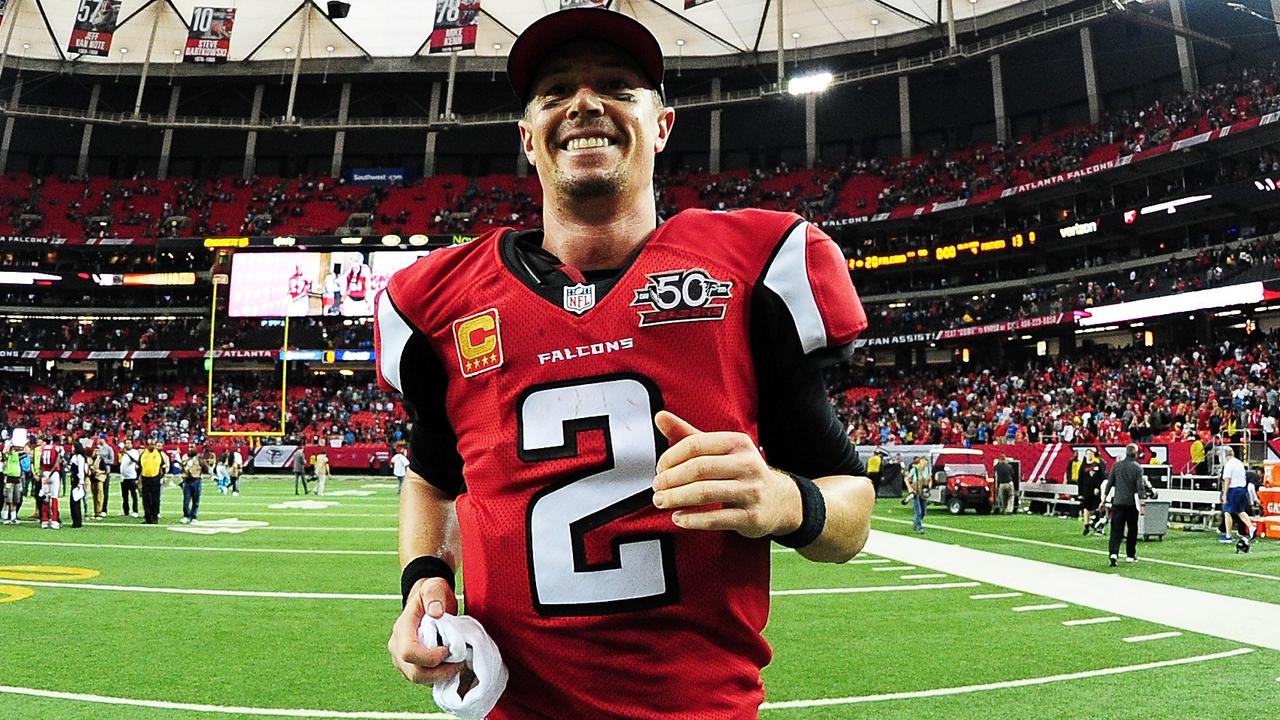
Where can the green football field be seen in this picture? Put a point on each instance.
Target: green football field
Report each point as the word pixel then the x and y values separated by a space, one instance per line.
pixel 284 611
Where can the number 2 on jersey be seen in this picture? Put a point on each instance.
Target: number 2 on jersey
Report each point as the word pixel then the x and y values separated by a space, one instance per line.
pixel 640 574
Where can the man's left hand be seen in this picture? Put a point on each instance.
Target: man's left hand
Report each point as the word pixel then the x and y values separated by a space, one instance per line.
pixel 720 481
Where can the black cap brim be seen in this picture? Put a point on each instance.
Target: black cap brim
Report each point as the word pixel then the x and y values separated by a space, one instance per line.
pixel 541 38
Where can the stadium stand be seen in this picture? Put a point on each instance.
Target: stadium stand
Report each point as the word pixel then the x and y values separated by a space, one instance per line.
pixel 357 414
pixel 149 208
pixel 1108 395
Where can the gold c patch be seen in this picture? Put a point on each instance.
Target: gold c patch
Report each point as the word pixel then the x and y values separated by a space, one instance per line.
pixel 478 339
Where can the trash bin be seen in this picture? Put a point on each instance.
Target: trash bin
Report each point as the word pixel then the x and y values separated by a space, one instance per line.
pixel 1153 519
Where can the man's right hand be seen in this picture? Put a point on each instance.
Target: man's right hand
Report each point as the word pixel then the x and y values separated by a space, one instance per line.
pixel 431 596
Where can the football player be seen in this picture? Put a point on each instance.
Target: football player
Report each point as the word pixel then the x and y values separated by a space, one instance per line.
pixel 613 418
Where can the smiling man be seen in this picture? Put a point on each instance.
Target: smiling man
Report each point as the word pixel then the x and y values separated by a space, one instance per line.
pixel 614 418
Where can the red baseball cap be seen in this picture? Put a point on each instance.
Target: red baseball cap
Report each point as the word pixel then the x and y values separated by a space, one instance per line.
pixel 544 36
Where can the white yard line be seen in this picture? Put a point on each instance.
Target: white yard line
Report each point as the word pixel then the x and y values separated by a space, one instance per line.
pixel 1153 636
pixel 768 706
pixel 873 588
pixel 1091 621
pixel 200 591
pixel 855 561
pixel 184 548
pixel 1091 551
pixel 1005 685
pixel 254 529
pixel 893 568
pixel 1037 608
pixel 995 596
pixel 363 596
pixel 1222 616
pixel 224 709
pixel 922 576
pixel 295 512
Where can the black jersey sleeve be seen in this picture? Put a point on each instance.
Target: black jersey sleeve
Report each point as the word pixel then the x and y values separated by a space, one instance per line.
pixel 799 429
pixel 407 363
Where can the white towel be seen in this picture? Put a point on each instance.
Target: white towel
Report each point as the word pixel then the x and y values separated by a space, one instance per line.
pixel 468 643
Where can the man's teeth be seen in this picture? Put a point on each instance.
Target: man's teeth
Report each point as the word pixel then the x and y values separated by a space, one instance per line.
pixel 585 143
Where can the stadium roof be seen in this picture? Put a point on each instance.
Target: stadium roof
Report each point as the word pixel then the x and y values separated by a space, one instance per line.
pixel 271 29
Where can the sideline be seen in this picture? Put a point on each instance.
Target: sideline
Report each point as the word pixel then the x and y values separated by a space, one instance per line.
pixel 768 706
pixel 1207 613
pixel 1059 546
pixel 194 548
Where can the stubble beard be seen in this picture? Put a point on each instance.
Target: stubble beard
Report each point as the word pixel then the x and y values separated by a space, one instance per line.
pixel 591 188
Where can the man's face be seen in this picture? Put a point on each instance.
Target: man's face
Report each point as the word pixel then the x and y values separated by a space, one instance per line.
pixel 593 127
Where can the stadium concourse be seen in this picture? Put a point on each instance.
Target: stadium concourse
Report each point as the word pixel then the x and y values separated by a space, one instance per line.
pixel 1062 219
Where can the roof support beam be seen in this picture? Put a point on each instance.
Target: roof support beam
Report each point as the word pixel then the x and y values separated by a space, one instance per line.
pixel 1184 32
pixel 49 28
pixel 696 26
pixel 906 15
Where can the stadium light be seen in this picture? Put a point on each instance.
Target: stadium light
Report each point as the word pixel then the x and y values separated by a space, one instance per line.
pixel 807 84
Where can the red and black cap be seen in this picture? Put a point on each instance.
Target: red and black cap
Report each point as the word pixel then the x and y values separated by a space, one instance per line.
pixel 536 44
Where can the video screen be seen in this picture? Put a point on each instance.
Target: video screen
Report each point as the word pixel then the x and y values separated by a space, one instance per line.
pixel 279 284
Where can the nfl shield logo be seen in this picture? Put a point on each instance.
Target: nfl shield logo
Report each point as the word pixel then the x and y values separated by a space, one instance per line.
pixel 579 298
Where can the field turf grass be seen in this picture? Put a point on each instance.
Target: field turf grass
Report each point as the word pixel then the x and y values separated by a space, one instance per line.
pixel 296 654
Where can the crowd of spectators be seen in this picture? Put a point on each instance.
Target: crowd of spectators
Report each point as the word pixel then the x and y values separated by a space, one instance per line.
pixel 190 207
pixel 186 333
pixel 1095 394
pixel 941 176
pixel 328 408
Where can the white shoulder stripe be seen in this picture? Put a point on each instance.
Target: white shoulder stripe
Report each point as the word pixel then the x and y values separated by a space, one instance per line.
pixel 393 333
pixel 788 276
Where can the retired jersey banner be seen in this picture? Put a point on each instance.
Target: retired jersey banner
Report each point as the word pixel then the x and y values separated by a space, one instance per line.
pixel 95 23
pixel 209 40
pixel 455 27
pixel 694 3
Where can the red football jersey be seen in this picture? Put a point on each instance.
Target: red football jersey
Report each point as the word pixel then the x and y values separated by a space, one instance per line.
pixel 50 458
pixel 600 605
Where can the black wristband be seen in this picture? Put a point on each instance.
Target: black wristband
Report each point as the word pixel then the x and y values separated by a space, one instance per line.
pixel 813 516
pixel 425 566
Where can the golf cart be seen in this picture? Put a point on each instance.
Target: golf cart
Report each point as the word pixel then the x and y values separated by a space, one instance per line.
pixel 967 484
